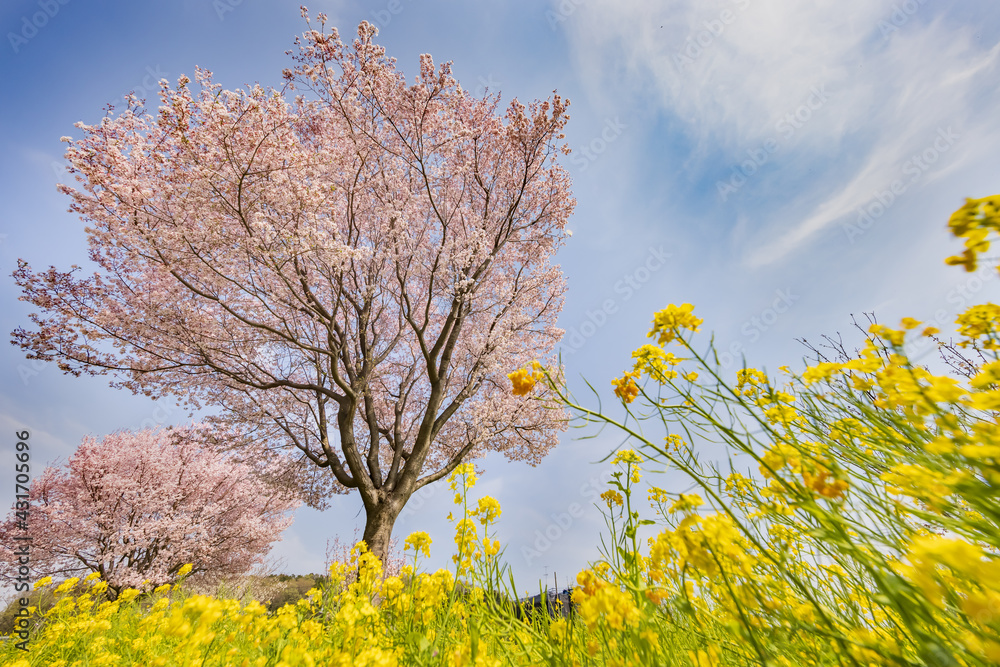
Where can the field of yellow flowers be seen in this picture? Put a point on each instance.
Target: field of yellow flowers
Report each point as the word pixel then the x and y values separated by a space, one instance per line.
pixel 856 523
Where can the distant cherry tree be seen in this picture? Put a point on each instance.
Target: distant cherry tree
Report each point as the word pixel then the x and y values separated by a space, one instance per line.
pixel 347 276
pixel 135 507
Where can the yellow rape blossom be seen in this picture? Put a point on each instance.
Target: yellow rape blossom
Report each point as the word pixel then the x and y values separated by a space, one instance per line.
pixel 686 502
pixel 600 602
pixel 129 594
pixel 626 456
pixel 487 509
pixel 612 497
pixel 67 585
pixel 524 380
pixel 668 322
pixel 420 542
pixel 657 495
pixel 824 485
pixel 656 363
pixel 468 472
pixel 821 371
pixel 675 442
pixel 749 381
pixel 979 321
pixel 894 336
pixel 625 387
pixel 973 222
pixel 989 374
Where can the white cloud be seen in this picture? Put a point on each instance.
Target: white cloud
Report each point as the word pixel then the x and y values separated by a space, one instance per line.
pixel 730 86
pixel 732 71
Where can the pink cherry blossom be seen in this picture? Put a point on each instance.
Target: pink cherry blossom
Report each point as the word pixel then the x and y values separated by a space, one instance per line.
pixel 136 507
pixel 346 276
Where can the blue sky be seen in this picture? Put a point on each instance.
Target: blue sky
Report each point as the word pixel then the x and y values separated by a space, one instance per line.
pixel 782 165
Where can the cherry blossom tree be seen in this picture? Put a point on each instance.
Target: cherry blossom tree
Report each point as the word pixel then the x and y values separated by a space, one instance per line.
pixel 136 507
pixel 346 277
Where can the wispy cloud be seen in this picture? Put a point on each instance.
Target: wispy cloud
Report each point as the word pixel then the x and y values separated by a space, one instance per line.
pixel 897 74
pixel 931 125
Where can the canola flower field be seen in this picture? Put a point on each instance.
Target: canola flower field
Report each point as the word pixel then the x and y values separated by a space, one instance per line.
pixel 857 523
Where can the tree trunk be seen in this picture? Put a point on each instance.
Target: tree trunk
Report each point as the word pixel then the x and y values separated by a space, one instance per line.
pixel 379 520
